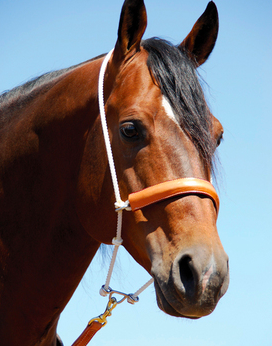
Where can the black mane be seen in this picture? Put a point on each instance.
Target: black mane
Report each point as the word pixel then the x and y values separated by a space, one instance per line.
pixel 22 94
pixel 176 75
pixel 172 69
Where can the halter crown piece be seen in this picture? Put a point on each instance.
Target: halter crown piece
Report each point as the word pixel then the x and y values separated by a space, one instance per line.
pixel 145 197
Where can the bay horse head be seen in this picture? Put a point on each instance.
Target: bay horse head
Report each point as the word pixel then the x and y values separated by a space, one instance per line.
pixel 56 194
pixel 161 130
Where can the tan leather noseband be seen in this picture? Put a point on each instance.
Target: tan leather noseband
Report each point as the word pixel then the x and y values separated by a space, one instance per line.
pixel 162 191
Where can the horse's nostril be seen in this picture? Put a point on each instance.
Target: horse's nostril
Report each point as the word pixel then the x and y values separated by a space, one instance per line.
pixel 187 275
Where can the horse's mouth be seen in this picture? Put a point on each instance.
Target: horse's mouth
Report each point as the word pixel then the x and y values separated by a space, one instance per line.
pixel 173 304
pixel 165 306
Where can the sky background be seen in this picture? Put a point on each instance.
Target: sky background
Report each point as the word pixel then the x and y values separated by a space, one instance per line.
pixel 40 36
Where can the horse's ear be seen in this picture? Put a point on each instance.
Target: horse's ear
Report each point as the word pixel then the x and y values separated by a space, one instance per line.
pixel 132 25
pixel 201 40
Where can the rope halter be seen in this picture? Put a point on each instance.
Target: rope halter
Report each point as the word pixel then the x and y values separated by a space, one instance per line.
pixel 145 197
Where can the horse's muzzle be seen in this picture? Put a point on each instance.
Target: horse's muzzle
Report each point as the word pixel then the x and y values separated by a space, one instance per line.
pixel 195 284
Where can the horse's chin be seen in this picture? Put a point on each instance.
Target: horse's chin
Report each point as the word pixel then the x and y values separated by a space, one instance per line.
pixel 173 307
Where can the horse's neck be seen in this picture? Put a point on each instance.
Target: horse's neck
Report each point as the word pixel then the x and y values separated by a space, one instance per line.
pixel 44 251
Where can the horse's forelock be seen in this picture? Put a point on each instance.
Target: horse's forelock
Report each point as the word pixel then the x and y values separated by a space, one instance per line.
pixel 176 75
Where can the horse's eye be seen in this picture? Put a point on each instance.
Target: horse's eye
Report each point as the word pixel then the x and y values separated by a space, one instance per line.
pixel 219 139
pixel 129 131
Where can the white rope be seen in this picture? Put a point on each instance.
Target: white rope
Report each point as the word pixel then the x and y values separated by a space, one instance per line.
pixel 141 289
pixel 105 127
pixel 103 291
pixel 119 204
pixel 118 240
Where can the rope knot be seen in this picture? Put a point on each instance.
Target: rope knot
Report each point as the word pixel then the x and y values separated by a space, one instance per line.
pixel 132 299
pixel 104 292
pixel 121 205
pixel 117 242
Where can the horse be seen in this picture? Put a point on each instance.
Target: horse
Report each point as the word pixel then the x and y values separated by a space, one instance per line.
pixel 56 194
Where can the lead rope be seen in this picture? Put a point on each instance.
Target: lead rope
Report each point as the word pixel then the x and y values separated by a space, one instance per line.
pixel 97 323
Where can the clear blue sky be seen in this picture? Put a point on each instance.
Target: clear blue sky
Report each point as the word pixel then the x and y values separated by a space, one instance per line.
pixel 40 36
